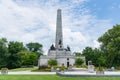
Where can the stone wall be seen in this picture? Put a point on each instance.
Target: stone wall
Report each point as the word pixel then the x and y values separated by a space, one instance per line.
pixel 60 59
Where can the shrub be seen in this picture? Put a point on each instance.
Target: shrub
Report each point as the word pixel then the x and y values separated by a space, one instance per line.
pixel 63 67
pixel 79 61
pixel 55 67
pixel 52 62
pixel 43 67
pixel 47 69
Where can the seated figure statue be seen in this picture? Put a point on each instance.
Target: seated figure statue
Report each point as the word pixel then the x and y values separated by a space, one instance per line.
pixel 68 48
pixel 52 47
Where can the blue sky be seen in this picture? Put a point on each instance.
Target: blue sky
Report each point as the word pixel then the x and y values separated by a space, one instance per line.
pixel 105 9
pixel 35 21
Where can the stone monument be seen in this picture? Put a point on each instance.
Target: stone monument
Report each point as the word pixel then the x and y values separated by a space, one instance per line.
pixel 57 51
pixel 91 67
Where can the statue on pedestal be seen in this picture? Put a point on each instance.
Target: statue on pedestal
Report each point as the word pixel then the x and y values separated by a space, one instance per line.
pixel 52 47
pixel 68 48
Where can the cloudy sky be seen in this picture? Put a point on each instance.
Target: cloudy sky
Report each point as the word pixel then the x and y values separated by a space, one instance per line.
pixel 35 21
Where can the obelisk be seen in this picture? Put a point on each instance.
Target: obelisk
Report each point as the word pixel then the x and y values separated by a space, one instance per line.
pixel 59 37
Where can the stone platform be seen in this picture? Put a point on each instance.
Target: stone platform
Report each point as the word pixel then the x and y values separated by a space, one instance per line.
pixel 87 74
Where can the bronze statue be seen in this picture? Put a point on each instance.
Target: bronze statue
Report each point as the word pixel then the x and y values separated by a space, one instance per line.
pixel 52 47
pixel 68 48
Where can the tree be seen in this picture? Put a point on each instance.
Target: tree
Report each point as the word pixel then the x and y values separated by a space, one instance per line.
pixel 79 61
pixel 94 55
pixel 99 58
pixel 28 58
pixel 77 53
pixel 35 47
pixel 52 62
pixel 3 52
pixel 14 59
pixel 101 61
pixel 88 53
pixel 110 46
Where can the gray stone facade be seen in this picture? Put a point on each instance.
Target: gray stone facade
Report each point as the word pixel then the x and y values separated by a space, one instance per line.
pixel 57 51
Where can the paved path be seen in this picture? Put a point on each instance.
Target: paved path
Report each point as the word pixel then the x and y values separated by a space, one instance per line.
pixel 28 72
pixel 87 73
pixel 33 73
pixel 25 73
pixel 74 73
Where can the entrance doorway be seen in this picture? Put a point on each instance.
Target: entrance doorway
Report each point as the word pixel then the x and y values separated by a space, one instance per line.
pixel 67 62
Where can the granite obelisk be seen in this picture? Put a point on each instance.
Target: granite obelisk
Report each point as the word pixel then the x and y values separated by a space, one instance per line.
pixel 59 36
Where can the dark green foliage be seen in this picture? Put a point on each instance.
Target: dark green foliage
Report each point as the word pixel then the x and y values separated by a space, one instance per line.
pixel 52 62
pixel 15 47
pixel 35 47
pixel 79 61
pixel 109 53
pixel 94 55
pixel 28 58
pixel 14 59
pixel 3 52
pixel 110 46
pixel 77 54
pixel 15 55
pixel 88 53
pixel 98 57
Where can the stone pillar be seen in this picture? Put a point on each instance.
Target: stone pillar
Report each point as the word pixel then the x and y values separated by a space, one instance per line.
pixel 59 37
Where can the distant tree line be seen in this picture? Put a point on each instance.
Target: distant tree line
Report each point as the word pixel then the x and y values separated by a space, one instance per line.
pixel 14 54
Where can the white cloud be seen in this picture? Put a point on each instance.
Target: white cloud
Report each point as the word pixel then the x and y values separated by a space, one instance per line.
pixel 96 44
pixel 35 20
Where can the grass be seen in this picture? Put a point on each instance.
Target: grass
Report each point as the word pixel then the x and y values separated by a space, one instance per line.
pixel 35 69
pixel 51 77
pixel 48 77
pixel 22 69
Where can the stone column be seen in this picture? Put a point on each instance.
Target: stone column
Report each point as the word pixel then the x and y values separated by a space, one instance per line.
pixel 59 37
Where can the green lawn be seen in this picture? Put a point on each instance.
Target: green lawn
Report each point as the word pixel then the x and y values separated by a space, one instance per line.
pixel 51 77
pixel 22 69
